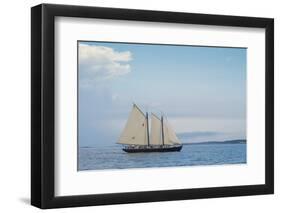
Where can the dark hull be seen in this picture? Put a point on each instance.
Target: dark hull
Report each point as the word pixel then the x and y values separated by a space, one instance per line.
pixel 151 149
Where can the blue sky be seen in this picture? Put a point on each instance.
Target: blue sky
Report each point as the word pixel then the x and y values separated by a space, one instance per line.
pixel 201 90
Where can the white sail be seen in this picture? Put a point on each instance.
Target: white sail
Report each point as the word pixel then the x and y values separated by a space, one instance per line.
pixel 135 131
pixel 170 137
pixel 156 131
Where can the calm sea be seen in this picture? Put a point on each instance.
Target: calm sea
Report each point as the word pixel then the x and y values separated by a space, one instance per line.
pixel 113 157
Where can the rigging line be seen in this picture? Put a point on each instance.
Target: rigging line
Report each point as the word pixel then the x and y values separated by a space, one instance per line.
pixel 139 109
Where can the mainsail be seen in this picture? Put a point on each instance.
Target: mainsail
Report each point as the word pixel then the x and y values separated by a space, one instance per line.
pixel 170 137
pixel 135 131
pixel 156 131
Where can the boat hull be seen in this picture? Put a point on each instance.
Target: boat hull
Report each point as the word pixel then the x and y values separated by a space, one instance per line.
pixel 153 149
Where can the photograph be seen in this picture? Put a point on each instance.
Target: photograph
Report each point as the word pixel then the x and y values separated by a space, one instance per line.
pixel 147 105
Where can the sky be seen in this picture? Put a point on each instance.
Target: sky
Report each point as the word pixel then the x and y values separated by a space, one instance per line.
pixel 201 90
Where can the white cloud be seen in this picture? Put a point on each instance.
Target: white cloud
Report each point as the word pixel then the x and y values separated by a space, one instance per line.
pixel 101 63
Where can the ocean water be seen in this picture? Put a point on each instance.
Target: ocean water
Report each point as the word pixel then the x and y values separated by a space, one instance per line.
pixel 113 157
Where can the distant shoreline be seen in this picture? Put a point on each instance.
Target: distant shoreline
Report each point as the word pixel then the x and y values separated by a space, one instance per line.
pixel 240 141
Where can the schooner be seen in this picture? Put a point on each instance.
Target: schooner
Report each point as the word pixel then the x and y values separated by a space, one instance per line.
pixel 137 138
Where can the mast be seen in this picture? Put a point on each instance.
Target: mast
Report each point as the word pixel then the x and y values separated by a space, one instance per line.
pixel 162 129
pixel 147 128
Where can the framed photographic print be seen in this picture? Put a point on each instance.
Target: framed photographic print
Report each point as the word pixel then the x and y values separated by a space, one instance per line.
pixel 139 106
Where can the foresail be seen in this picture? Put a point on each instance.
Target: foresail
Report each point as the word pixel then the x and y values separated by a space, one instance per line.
pixel 135 131
pixel 170 137
pixel 155 133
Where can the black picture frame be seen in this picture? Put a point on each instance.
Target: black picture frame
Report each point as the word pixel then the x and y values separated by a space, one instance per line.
pixel 43 105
